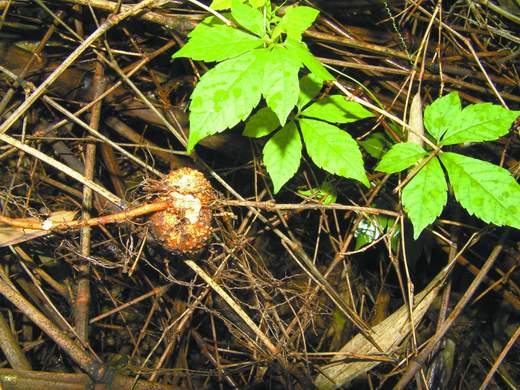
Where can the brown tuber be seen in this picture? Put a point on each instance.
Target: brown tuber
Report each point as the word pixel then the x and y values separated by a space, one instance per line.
pixel 181 215
pixel 185 226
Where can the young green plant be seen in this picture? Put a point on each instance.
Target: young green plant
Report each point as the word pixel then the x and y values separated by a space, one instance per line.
pixel 485 190
pixel 262 57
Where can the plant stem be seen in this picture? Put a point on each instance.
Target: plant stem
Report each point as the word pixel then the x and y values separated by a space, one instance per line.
pixel 123 216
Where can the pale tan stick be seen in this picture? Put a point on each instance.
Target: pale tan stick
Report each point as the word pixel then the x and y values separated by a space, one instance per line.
pixel 110 22
pixel 500 358
pixel 231 302
pixel 62 167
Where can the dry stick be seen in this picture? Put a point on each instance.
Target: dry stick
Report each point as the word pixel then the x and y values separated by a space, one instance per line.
pixel 95 370
pixel 446 292
pixel 421 358
pixel 127 132
pixel 384 113
pixel 500 358
pixel 176 132
pixel 43 380
pixel 212 359
pixel 58 287
pixel 502 11
pixel 302 259
pixel 508 294
pixel 385 51
pixel 177 22
pixel 333 25
pixel 77 353
pixel 344 246
pixel 144 329
pixel 82 302
pixel 62 167
pixel 41 45
pixel 272 206
pixel 183 320
pixel 158 291
pixel 131 69
pixel 10 347
pixel 102 29
pixel 473 54
pixel 110 22
pixel 231 302
pixel 97 134
pixel 426 76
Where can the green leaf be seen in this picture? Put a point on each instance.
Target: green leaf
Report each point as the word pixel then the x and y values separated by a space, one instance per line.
pixel 257 3
pixel 337 109
pixel 217 43
pixel 439 116
pixel 401 156
pixel 326 193
pixel 484 189
pixel 333 149
pixel 425 196
pixel 371 229
pixel 310 86
pixel 225 95
pixel 479 122
pixel 281 86
pixel 282 154
pixel 295 21
pixel 301 51
pixel 376 145
pixel 220 5
pixel 248 17
pixel 261 123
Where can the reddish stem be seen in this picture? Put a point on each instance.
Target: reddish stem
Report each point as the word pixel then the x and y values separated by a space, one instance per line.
pixel 122 216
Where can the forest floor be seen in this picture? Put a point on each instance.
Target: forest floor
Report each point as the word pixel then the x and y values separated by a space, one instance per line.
pixel 320 285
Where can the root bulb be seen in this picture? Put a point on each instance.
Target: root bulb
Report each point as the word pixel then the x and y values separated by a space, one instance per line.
pixel 186 225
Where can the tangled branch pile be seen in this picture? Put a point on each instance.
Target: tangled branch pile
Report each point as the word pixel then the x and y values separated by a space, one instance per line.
pixel 328 289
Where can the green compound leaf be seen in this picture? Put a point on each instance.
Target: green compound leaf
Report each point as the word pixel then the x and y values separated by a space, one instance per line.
pixel 248 17
pixel 479 122
pixel 282 154
pixel 484 189
pixel 281 86
pixel 425 196
pixel 333 149
pixel 225 95
pixel 300 50
pixel 217 43
pixel 337 109
pixel 439 116
pixel 400 157
pixel 261 123
pixel 295 21
pixel 310 86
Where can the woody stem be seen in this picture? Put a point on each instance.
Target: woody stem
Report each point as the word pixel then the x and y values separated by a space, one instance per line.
pixel 70 225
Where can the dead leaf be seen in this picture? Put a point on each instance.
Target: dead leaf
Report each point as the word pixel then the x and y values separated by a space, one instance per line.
pixel 388 334
pixel 415 121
